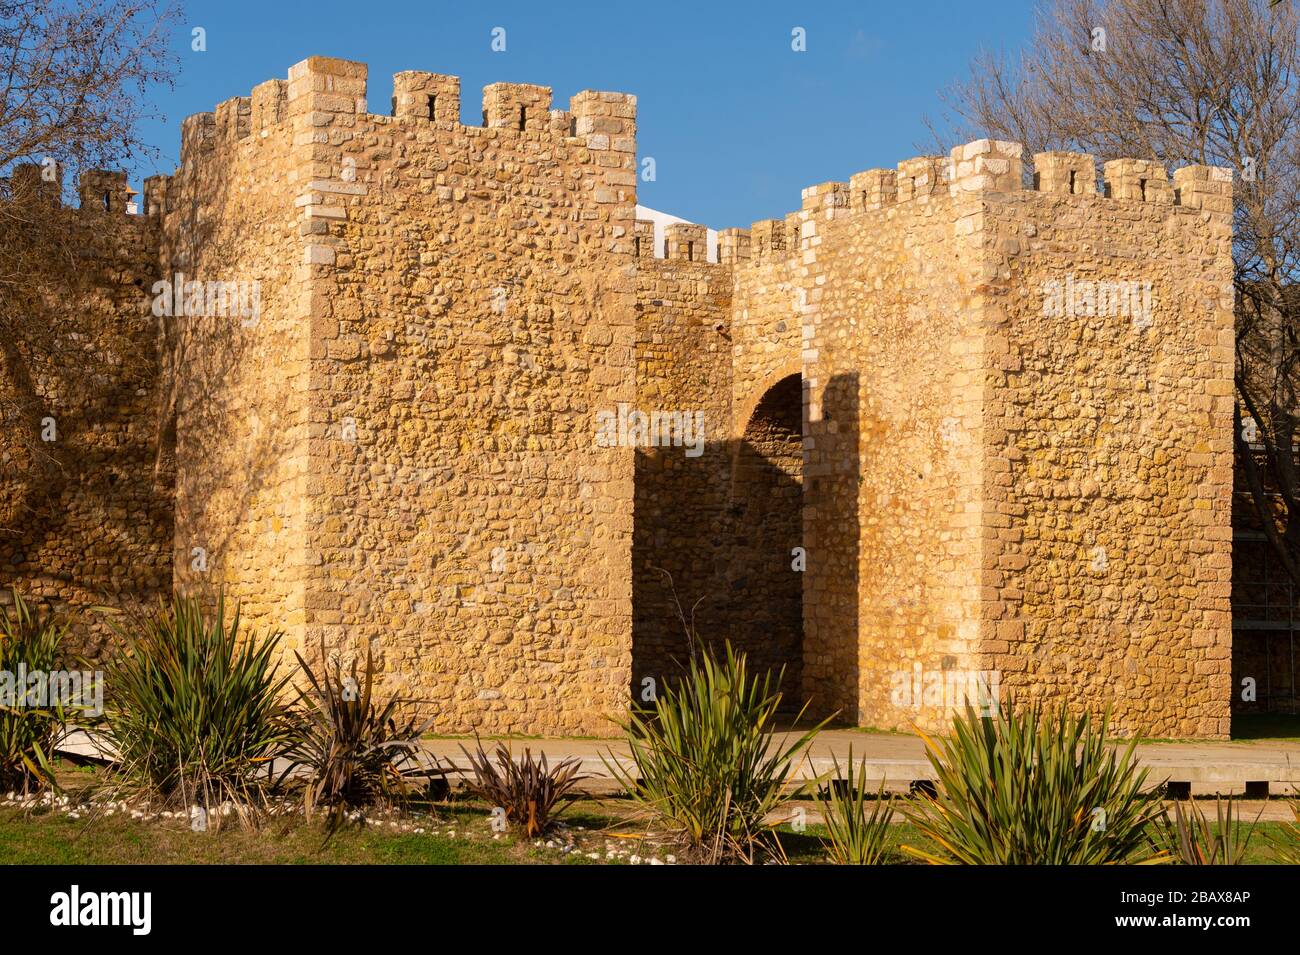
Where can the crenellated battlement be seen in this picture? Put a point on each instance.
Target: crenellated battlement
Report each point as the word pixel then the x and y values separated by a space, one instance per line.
pixel 990 167
pixel 429 97
pixel 518 106
pixel 1066 173
pixel 873 188
pixel 99 191
pixel 155 195
pixel 324 86
pixel 198 134
pixel 30 180
pixel 104 190
pixel 686 242
pixel 643 239
pixel 768 238
pixel 733 246
pixel 313 138
pixel 269 104
pixel 233 118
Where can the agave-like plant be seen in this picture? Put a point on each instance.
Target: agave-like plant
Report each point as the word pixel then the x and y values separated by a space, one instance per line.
pixel 708 772
pixel 1034 787
pixel 197 715
pixel 31 641
pixel 359 751
pixel 1190 839
pixel 1286 842
pixel 531 794
pixel 856 835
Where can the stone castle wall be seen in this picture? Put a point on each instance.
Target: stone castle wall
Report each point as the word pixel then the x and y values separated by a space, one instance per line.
pixel 716 523
pixel 910 459
pixel 477 290
pixel 680 511
pixel 867 291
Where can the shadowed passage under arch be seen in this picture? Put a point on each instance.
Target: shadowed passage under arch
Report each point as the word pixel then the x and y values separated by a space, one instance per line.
pixel 723 526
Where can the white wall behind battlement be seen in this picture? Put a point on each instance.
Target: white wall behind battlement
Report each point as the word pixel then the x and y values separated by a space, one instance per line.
pixel 662 220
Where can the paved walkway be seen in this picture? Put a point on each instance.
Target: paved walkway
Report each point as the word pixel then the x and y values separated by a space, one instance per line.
pixel 899 759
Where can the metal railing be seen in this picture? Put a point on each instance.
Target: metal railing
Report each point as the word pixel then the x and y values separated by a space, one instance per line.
pixel 1264 605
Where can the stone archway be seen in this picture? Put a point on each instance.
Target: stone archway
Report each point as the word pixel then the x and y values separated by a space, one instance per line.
pixel 752 389
pixel 767 524
pixel 713 537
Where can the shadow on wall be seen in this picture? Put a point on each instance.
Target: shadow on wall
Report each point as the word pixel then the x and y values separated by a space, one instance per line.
pixel 715 541
pixel 832 531
pixel 721 562
pixel 85 489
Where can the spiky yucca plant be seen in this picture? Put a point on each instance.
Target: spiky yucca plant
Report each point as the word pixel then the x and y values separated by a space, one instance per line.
pixel 1286 843
pixel 709 772
pixel 856 835
pixel 531 793
pixel 197 715
pixel 31 640
pixel 359 751
pixel 1034 787
pixel 1190 839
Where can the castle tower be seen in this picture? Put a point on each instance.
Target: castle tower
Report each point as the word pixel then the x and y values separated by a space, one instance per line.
pixel 399 451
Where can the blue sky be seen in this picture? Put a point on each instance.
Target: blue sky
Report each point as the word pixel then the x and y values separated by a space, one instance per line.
pixel 736 121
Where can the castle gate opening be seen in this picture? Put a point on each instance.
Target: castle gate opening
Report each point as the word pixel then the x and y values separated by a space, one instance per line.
pixel 765 575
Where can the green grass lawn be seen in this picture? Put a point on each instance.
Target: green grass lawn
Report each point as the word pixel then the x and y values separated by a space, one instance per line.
pixel 52 838
pixel 594 825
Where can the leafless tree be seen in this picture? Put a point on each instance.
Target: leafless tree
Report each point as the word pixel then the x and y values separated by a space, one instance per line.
pixel 1215 82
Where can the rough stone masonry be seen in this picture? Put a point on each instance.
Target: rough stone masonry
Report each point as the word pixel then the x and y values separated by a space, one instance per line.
pixel 941 420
